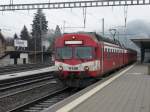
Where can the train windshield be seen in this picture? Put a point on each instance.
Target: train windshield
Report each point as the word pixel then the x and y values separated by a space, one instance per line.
pixel 84 52
pixel 64 53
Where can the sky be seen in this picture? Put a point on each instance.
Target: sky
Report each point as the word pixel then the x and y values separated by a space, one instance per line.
pixel 13 21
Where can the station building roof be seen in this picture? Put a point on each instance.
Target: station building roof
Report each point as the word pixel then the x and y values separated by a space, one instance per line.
pixel 2 37
pixel 142 43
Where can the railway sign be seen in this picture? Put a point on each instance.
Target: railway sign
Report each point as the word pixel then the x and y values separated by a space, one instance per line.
pixel 20 43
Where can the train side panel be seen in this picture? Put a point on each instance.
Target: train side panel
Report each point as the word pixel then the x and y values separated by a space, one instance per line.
pixel 112 57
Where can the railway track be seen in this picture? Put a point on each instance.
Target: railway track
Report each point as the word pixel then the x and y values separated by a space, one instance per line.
pixel 16 93
pixel 37 97
pixel 7 85
pixel 16 68
pixel 46 101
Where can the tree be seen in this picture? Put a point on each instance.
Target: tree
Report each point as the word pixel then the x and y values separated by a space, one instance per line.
pixel 57 34
pixel 25 36
pixel 39 28
pixel 57 31
pixel 15 36
pixel 40 25
pixel 9 41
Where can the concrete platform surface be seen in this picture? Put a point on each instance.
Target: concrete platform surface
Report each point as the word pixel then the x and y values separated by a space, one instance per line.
pixel 27 73
pixel 130 92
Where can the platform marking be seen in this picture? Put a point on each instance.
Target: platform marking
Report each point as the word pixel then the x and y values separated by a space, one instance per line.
pixel 68 107
pixel 135 73
pixel 27 73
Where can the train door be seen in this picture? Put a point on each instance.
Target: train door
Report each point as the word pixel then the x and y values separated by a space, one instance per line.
pixel 15 61
pixel 24 60
pixel 102 57
pixel 124 57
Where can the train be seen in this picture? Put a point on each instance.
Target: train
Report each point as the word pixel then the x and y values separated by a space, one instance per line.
pixel 82 58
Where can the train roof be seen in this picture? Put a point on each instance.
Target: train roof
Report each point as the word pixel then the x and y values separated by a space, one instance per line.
pixel 132 50
pixel 105 39
pixel 99 37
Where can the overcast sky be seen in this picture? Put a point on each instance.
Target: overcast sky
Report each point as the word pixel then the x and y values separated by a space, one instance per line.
pixel 13 21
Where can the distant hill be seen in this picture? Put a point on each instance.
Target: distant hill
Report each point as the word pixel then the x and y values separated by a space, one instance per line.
pixel 135 29
pixel 140 28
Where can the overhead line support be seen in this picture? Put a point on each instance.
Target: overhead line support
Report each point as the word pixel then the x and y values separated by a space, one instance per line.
pixel 76 4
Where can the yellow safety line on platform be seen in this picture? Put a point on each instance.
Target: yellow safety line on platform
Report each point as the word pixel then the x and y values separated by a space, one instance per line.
pixel 68 107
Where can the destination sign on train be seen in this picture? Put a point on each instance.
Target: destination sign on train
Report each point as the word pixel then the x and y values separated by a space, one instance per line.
pixel 73 42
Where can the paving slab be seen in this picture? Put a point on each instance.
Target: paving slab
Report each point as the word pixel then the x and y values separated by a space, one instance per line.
pixel 130 92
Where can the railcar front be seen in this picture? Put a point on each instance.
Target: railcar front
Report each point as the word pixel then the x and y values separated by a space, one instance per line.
pixel 75 58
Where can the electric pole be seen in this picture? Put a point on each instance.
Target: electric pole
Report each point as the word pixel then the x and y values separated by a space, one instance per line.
pixel 103 27
pixel 41 40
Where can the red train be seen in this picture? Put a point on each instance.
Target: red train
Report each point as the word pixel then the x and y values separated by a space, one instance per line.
pixel 83 57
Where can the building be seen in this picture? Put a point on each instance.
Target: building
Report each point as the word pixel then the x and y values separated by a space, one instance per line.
pixel 2 45
pixel 144 45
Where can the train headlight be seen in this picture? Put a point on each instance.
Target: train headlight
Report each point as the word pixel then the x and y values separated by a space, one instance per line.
pixel 86 68
pixel 60 68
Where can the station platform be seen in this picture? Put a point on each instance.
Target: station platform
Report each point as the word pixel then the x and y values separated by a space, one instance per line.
pixel 127 91
pixel 27 73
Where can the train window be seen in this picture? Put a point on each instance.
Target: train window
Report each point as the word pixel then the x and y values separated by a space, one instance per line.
pixel 84 52
pixel 64 53
pixel 105 49
pixel 108 55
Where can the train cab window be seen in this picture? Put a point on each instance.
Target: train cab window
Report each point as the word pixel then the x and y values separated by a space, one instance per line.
pixel 84 52
pixel 64 53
